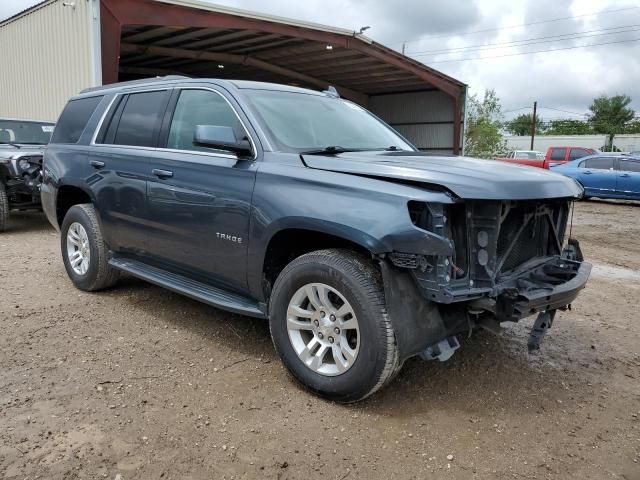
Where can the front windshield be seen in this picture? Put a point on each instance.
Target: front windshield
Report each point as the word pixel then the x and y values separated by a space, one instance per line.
pixel 298 122
pixel 17 131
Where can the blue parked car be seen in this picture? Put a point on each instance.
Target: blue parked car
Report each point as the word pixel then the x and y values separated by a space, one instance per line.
pixel 605 175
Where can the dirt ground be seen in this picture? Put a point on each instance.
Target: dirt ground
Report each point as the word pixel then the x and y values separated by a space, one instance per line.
pixel 140 383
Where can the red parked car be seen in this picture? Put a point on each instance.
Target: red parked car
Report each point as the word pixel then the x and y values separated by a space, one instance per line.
pixel 554 156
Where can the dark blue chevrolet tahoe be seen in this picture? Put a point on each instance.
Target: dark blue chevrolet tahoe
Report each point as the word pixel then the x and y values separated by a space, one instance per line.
pixel 304 209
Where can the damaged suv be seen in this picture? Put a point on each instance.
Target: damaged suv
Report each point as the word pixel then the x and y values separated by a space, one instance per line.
pixel 21 145
pixel 303 208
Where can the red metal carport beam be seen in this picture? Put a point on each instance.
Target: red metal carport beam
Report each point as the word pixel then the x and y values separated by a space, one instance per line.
pixel 241 60
pixel 457 126
pixel 148 12
pixel 392 58
pixel 110 31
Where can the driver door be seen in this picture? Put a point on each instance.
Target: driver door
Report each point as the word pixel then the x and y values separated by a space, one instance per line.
pixel 198 198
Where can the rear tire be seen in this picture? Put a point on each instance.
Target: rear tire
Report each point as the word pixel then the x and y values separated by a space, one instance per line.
pixel 4 208
pixel 84 252
pixel 363 356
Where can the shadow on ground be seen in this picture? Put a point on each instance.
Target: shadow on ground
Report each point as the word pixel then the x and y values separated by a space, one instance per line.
pixel 28 222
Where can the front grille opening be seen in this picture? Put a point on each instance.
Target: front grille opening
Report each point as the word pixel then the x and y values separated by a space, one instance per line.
pixel 528 245
pixel 536 239
pixel 458 231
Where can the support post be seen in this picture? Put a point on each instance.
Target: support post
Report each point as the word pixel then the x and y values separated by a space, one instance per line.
pixel 533 123
pixel 110 30
pixel 456 125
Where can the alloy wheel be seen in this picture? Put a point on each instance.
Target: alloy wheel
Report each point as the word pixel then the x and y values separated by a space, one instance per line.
pixel 323 329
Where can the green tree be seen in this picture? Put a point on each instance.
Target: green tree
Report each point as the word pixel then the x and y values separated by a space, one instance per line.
pixel 632 127
pixel 568 127
pixel 484 122
pixel 609 115
pixel 521 125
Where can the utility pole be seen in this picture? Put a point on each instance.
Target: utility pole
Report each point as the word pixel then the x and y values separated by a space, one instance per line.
pixel 533 123
pixel 404 44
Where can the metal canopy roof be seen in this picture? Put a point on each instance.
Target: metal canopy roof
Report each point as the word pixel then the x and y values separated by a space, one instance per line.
pixel 199 39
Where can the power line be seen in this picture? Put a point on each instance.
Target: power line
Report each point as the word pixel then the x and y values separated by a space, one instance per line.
pixel 535 51
pixel 533 41
pixel 566 111
pixel 451 34
pixel 516 109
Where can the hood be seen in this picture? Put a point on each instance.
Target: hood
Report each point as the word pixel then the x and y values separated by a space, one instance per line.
pixel 9 151
pixel 467 178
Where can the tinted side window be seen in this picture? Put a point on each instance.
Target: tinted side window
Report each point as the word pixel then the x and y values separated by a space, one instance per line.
pixel 557 153
pixel 577 153
pixel 598 163
pixel 140 119
pixel 73 120
pixel 630 165
pixel 200 107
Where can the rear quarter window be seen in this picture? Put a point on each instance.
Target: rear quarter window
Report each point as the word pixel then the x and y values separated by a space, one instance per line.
pixel 630 166
pixel 557 153
pixel 73 119
pixel 140 119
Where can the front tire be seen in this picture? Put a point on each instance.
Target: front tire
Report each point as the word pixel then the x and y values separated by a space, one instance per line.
pixel 4 208
pixel 330 326
pixel 84 252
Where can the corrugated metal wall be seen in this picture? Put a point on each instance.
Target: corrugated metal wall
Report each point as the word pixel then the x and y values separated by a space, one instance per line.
pixel 46 58
pixel 425 118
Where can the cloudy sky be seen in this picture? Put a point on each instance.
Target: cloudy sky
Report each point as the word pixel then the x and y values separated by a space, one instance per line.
pixel 482 42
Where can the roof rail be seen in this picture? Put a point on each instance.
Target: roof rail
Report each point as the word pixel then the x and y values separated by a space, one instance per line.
pixel 135 82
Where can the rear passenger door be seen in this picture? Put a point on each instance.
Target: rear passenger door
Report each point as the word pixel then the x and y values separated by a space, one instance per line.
pixel 119 158
pixel 199 198
pixel 629 177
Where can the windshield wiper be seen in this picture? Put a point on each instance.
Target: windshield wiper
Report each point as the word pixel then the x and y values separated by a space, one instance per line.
pixel 11 143
pixel 331 150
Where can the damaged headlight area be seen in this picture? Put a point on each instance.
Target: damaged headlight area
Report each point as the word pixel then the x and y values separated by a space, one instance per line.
pixel 507 260
pixel 23 177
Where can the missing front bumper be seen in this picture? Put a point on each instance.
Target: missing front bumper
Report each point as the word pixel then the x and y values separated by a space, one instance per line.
pixel 421 323
pixel 514 303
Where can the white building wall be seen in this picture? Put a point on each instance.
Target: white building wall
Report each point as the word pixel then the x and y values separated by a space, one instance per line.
pixel 47 55
pixel 543 142
pixel 627 143
pixel 424 118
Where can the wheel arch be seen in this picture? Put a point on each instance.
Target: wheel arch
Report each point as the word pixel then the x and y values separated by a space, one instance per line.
pixel 293 239
pixel 4 173
pixel 67 196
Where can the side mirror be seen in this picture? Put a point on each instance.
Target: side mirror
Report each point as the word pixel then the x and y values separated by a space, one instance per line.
pixel 222 138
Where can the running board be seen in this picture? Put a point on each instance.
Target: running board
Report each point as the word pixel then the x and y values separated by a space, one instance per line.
pixel 193 289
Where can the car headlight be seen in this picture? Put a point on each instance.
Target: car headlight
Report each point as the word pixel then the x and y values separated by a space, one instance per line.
pixel 24 164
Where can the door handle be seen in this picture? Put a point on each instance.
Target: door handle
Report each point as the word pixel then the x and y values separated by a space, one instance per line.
pixel 162 173
pixel 625 175
pixel 96 164
pixel 587 172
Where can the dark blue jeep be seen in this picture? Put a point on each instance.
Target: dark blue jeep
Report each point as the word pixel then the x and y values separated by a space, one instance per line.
pixel 305 209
